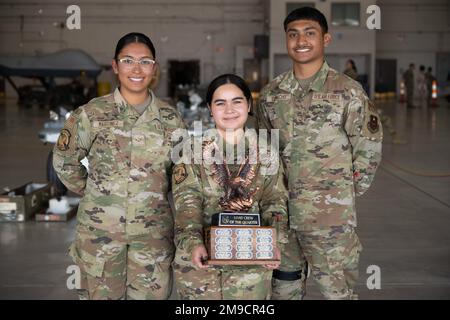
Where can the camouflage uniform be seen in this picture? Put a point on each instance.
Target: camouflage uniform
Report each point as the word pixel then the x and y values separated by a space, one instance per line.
pixel 124 237
pixel 289 281
pixel 331 147
pixel 409 79
pixel 196 198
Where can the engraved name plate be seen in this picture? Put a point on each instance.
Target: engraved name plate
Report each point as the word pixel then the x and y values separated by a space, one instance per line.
pixel 239 245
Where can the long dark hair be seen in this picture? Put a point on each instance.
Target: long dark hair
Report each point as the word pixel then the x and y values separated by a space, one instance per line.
pixel 134 37
pixel 229 79
pixel 352 63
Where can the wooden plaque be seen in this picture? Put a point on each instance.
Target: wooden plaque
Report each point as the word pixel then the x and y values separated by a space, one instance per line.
pixel 240 245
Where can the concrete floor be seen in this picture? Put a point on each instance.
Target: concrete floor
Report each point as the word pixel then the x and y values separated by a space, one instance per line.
pixel 404 219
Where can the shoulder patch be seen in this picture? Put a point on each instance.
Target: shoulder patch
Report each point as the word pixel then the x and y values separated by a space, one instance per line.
pixel 64 140
pixel 179 173
pixel 372 123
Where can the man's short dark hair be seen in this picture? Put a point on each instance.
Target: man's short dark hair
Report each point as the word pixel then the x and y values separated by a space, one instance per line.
pixel 307 13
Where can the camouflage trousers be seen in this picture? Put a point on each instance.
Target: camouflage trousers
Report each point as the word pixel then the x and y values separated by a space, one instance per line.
pixel 293 265
pixel 117 266
pixel 333 256
pixel 227 283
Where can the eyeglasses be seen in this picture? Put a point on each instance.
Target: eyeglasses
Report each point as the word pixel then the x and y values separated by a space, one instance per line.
pixel 145 64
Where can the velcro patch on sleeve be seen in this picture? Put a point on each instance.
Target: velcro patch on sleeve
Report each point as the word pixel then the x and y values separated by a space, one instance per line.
pixel 372 123
pixel 179 173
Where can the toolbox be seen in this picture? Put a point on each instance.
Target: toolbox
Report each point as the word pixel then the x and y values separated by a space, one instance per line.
pixel 22 203
pixel 62 209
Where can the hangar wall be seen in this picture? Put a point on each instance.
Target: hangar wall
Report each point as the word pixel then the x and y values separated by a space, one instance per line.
pixel 208 30
pixel 217 31
pixel 413 31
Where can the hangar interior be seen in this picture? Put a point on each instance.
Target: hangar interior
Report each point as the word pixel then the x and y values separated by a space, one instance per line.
pixel 403 220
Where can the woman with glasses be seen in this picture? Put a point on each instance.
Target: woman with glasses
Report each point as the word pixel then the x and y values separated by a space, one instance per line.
pixel 124 237
pixel 247 180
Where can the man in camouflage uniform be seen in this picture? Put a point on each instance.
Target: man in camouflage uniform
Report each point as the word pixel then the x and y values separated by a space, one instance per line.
pixel 330 144
pixel 196 198
pixel 124 237
pixel 409 79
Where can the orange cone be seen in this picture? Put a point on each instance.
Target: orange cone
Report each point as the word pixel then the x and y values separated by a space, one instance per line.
pixel 433 102
pixel 402 92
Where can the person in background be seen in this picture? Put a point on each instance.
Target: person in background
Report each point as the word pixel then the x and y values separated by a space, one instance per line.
pixel 421 83
pixel 410 85
pixel 350 69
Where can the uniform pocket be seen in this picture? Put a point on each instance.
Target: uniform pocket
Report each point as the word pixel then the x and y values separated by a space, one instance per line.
pixel 86 262
pixel 273 110
pixel 105 155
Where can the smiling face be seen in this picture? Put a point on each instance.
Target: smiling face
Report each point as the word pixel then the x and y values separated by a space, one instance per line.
pixel 229 108
pixel 134 79
pixel 305 41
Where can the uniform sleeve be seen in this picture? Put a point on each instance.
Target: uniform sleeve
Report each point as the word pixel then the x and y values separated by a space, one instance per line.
pixel 181 135
pixel 188 201
pixel 363 127
pixel 262 118
pixel 273 204
pixel 180 123
pixel 72 146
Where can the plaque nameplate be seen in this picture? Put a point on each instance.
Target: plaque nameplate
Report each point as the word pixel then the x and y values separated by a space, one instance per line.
pixel 240 245
pixel 236 219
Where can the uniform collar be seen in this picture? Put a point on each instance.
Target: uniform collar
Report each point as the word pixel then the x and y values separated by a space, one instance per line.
pixel 123 106
pixel 290 84
pixel 321 77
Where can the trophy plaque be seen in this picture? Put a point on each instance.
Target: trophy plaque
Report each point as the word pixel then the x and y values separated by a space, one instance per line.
pixel 238 239
pixel 235 236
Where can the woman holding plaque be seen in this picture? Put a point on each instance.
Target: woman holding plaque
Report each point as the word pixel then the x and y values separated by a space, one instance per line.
pixel 237 175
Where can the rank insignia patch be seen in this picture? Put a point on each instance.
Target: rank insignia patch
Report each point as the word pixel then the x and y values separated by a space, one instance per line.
pixel 372 125
pixel 64 140
pixel 180 173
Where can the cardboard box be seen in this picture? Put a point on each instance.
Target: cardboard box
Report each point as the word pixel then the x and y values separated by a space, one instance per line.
pixel 22 203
